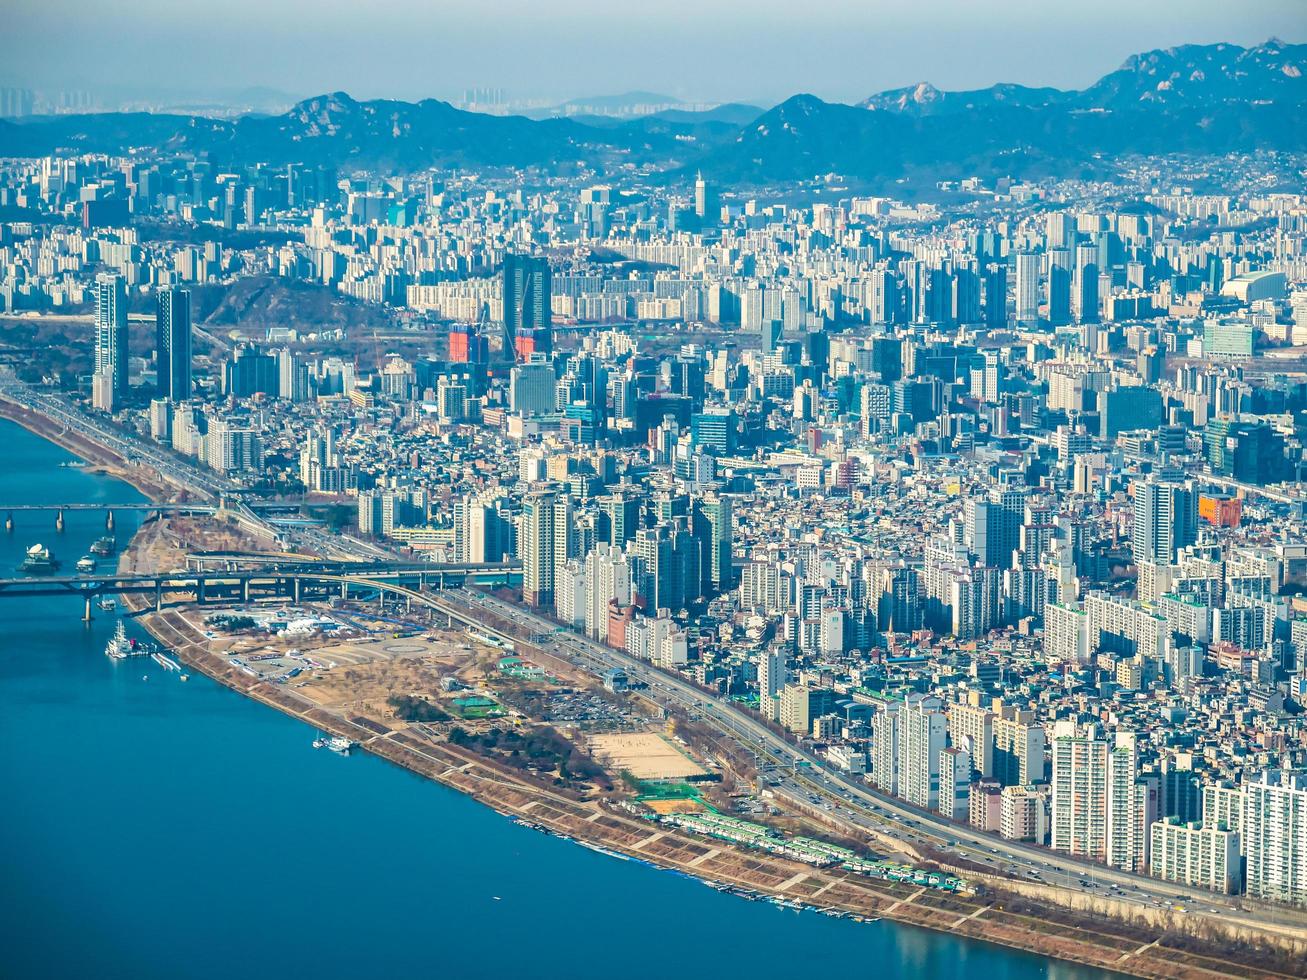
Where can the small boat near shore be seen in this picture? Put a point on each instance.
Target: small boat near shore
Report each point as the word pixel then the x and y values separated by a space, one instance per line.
pixel 337 744
pixel 105 546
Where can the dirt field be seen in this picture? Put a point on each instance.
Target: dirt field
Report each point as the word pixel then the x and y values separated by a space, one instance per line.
pixel 645 755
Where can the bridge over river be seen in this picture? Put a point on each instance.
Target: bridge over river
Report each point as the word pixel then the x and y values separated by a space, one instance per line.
pixel 295 581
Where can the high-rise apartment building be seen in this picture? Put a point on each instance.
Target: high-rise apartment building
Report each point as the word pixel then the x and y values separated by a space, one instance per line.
pixel 1080 780
pixel 1275 836
pixel 1195 854
pixel 971 727
pixel 1165 520
pixel 885 747
pixel 536 539
pixel 1027 290
pixel 955 783
pixel 1019 748
pixel 111 333
pixel 922 731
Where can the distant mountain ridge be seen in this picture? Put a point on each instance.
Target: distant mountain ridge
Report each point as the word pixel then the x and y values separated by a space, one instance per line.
pixel 1192 74
pixel 1200 99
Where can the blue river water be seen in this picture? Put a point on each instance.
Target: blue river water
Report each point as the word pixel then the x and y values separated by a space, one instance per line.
pixel 151 828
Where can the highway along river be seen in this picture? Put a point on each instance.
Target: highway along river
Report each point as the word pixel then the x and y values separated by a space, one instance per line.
pixel 151 828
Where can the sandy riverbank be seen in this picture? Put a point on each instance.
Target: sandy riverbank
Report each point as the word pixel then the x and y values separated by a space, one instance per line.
pixel 612 828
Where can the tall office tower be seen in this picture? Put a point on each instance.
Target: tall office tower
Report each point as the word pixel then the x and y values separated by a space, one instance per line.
pixel 172 321
pixel 702 198
pixel 966 293
pixel 1080 779
pixel 887 358
pixel 1182 790
pixel 885 748
pixel 532 388
pixel 528 309
pixel 938 284
pixel 249 371
pixel 535 539
pixel 972 727
pixel 111 333
pixel 619 518
pixel 1084 286
pixel 923 731
pixel 292 377
pixel 1027 310
pixel 1059 286
pixel 713 527
pixel 995 295
pixel 467 345
pixel 1165 520
pixel 1275 837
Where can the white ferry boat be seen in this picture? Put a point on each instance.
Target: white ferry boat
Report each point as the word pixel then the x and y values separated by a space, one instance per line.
pixel 121 646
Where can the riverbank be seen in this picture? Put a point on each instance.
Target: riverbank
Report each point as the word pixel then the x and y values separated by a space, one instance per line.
pixel 615 829
pixel 105 460
pixel 1095 944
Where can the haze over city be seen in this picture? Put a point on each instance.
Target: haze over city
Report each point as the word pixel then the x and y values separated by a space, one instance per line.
pixel 756 51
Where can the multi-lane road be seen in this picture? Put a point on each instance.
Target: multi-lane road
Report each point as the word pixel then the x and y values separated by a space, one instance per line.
pixel 199 482
pixel 846 799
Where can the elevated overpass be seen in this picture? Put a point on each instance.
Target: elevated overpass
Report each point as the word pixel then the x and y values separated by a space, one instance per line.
pixel 296 582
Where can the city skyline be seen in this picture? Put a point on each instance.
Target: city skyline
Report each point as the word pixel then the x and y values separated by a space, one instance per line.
pixel 894 508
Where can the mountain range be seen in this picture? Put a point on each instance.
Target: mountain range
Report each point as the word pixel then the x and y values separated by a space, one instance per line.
pixel 1199 99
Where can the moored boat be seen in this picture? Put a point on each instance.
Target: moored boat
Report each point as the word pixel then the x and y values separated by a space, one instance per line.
pixel 39 561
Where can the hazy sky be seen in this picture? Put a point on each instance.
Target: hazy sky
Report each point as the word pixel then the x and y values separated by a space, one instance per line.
pixel 711 50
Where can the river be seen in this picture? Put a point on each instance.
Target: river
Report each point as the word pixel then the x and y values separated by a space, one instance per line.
pixel 151 828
